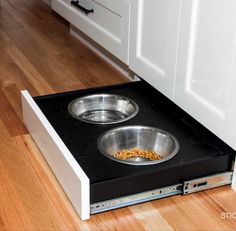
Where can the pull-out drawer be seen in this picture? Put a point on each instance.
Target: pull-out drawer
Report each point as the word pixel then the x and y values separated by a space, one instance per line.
pixel 95 183
pixel 107 23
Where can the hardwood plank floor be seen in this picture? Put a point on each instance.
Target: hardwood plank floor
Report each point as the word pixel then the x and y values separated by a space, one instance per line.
pixel 37 53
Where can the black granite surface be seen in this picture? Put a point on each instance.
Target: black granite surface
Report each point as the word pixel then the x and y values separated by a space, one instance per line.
pixel 201 153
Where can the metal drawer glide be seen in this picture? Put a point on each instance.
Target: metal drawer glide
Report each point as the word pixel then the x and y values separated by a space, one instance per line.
pixel 136 198
pixel 208 182
pixel 187 187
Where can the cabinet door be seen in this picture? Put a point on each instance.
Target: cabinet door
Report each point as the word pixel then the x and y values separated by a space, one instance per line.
pixel 153 42
pixel 206 69
pixel 108 24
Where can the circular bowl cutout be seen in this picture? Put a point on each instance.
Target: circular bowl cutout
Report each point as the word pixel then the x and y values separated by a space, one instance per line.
pixel 138 145
pixel 103 109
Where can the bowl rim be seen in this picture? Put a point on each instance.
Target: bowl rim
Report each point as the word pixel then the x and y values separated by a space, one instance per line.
pixel 136 111
pixel 174 152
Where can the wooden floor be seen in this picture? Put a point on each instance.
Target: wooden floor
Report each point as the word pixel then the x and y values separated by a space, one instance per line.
pixel 37 53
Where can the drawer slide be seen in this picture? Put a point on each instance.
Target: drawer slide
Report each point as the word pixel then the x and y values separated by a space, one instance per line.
pixel 208 182
pixel 187 187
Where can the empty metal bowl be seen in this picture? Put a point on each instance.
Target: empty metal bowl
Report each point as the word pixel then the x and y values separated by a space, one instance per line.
pixel 141 137
pixel 103 109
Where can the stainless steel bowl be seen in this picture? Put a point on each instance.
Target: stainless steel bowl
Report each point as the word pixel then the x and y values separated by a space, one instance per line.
pixel 142 137
pixel 103 109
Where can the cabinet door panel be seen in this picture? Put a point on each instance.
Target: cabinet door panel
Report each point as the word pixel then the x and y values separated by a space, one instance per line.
pixel 205 79
pixel 108 25
pixel 153 42
pixel 152 47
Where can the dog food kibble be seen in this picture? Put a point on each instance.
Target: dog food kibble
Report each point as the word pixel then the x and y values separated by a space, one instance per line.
pixel 136 152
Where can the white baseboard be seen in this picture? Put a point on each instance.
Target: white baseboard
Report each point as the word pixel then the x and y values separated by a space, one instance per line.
pixel 104 54
pixel 136 78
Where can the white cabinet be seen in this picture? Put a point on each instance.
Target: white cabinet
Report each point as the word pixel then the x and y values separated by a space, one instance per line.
pixel 187 50
pixel 108 24
pixel 206 65
pixel 154 40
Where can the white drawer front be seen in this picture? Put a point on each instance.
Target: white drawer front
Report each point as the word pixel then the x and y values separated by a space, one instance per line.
pixel 108 25
pixel 68 172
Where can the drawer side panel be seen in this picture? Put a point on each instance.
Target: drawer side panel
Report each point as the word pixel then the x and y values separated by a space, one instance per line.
pixel 68 172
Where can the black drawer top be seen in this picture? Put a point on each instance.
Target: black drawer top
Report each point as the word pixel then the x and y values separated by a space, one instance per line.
pixel 197 144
